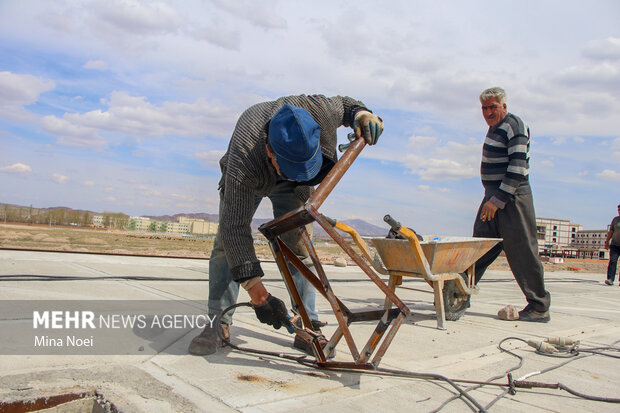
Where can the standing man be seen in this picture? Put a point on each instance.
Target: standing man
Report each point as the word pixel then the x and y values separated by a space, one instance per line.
pixel 281 150
pixel 507 210
pixel 614 248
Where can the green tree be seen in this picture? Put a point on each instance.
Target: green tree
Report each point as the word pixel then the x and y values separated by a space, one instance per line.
pixel 86 219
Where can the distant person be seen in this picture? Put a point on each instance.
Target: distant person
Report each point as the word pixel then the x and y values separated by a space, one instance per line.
pixel 612 242
pixel 507 209
pixel 279 149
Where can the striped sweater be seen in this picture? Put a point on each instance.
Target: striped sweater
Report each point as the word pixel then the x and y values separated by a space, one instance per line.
pixel 505 159
pixel 247 172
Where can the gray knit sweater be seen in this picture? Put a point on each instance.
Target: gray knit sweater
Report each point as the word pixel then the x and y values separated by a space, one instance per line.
pixel 247 172
pixel 505 165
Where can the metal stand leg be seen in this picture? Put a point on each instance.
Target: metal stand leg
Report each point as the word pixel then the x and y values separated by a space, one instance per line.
pixel 439 308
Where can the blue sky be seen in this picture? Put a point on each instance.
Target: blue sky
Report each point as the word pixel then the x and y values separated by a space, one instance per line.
pixel 127 105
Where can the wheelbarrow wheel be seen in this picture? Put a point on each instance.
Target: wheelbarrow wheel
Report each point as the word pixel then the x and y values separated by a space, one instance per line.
pixel 455 301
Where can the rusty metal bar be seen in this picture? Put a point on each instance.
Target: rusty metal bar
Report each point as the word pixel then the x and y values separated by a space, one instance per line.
pixel 334 176
pixel 276 248
pixel 341 317
pixel 357 259
pixel 388 339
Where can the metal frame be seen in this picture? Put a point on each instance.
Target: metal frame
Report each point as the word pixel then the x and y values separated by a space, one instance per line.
pixel 389 320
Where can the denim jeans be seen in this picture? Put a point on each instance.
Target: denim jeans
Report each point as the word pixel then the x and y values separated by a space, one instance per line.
pixel 614 253
pixel 223 291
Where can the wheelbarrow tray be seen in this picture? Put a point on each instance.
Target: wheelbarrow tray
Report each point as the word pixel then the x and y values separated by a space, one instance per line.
pixel 447 255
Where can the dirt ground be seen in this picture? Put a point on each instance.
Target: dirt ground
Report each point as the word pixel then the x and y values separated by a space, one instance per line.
pixel 89 240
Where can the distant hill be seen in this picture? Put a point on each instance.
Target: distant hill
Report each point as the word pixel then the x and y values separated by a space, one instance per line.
pixel 175 217
pixel 361 226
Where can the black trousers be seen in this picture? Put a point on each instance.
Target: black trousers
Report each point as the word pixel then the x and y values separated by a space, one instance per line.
pixel 516 224
pixel 614 253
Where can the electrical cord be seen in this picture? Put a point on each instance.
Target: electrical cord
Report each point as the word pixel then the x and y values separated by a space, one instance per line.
pixel 38 277
pixel 35 277
pixel 511 386
pixel 377 370
pixel 571 353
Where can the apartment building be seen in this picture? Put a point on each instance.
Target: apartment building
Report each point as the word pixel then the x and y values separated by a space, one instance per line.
pixel 590 239
pixel 139 224
pixel 556 233
pixel 183 226
pixel 175 227
pixel 199 226
pixel 98 221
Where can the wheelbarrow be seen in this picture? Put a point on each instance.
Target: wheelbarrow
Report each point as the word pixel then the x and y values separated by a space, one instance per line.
pixel 447 264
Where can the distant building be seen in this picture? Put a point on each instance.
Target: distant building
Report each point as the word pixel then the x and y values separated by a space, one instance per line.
pixel 590 239
pixel 183 226
pixel 561 238
pixel 98 221
pixel 556 233
pixel 199 226
pixel 177 228
pixel 139 224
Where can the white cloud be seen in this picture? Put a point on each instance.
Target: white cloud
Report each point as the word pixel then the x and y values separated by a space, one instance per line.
pixel 421 141
pixel 20 89
pixel 61 179
pixel 89 183
pixel 218 35
pixel 451 161
pixel 546 163
pixel 17 168
pixel 579 139
pixel 135 116
pixel 609 175
pixel 211 158
pixel 424 187
pixel 95 64
pixel 600 76
pixel 133 17
pixel 259 13
pixel 70 134
pixel 603 49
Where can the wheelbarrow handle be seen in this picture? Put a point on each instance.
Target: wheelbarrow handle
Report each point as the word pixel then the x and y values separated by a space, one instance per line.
pixel 359 241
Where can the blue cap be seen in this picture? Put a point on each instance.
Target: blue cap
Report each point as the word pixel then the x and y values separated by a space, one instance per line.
pixel 294 137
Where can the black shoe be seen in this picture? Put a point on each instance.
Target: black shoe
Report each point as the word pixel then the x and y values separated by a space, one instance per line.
pixel 316 324
pixel 609 282
pixel 208 341
pixel 529 314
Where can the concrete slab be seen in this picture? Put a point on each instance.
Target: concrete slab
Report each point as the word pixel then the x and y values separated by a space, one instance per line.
pixel 171 380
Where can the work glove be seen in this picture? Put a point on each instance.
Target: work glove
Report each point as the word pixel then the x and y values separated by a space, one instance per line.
pixel 368 125
pixel 273 312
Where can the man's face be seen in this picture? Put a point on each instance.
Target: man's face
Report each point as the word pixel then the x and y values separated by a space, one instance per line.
pixel 493 111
